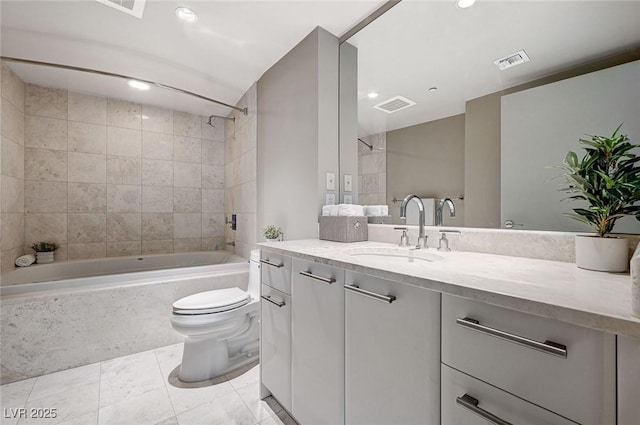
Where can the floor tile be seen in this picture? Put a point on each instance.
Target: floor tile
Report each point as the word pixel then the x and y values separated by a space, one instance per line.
pixel 65 380
pixel 248 375
pixel 127 364
pixel 131 383
pixel 282 418
pixel 261 409
pixel 149 408
pixel 90 418
pixel 16 393
pixel 69 404
pixel 184 399
pixel 227 410
pixel 170 421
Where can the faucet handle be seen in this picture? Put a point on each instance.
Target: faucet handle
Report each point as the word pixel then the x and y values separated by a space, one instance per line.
pixel 404 239
pixel 443 243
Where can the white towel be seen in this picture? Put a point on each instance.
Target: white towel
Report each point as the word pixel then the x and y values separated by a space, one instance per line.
pixel 25 260
pixel 350 210
pixel 384 209
pixel 328 210
pixel 372 210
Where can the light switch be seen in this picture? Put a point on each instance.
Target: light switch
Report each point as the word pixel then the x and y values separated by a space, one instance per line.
pixel 331 181
pixel 330 199
pixel 348 183
pixel 348 199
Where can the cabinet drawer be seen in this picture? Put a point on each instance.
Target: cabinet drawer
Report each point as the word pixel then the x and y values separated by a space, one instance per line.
pixel 276 271
pixel 275 344
pixel 492 403
pixel 521 354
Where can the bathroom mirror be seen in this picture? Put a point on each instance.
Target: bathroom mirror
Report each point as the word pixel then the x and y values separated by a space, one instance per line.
pixel 469 136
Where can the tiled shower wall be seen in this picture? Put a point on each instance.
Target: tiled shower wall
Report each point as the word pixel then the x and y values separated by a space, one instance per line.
pixel 372 170
pixel 11 169
pixel 240 173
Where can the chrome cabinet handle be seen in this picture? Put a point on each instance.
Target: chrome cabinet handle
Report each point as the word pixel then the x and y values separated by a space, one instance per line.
pixel 268 298
pixel 471 403
pixel 327 280
pixel 548 347
pixel 384 298
pixel 269 263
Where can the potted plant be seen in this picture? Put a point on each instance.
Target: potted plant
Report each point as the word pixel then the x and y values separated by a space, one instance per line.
pixel 272 233
pixel 44 251
pixel 607 177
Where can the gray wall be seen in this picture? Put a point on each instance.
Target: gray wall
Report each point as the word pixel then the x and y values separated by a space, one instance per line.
pixel 349 121
pixel 297 135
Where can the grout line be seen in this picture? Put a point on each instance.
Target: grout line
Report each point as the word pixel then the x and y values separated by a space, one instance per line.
pixel 99 393
pixel 165 382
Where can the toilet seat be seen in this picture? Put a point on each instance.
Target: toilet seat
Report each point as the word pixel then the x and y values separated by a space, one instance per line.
pixel 210 302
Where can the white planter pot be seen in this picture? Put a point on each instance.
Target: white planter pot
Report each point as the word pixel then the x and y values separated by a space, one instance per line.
pixel 602 254
pixel 44 257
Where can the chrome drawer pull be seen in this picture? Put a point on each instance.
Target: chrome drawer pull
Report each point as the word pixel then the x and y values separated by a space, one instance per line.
pixel 327 280
pixel 472 404
pixel 385 298
pixel 269 263
pixel 548 347
pixel 268 298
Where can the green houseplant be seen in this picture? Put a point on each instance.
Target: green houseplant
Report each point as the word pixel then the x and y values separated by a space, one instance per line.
pixel 607 177
pixel 44 251
pixel 271 232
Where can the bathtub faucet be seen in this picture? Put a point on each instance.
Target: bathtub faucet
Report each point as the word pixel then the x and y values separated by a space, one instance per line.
pixel 223 245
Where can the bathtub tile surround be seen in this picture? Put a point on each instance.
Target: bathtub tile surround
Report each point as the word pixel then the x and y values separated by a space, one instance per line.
pixel 142 389
pixel 12 172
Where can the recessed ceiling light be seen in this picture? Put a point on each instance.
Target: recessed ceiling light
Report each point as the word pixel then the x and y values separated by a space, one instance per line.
pixel 138 85
pixel 463 4
pixel 186 14
pixel 433 88
pixel 372 95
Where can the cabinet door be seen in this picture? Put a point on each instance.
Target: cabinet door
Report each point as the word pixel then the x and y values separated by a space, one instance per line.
pixel 317 350
pixel 628 380
pixel 392 353
pixel 275 344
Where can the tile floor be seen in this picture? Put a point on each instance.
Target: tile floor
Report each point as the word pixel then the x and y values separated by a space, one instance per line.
pixel 141 389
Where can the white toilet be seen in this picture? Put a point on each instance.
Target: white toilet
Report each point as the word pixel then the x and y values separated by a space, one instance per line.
pixel 221 328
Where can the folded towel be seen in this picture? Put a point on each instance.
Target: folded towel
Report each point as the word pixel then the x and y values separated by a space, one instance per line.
pixel 330 210
pixel 350 210
pixel 384 209
pixel 376 210
pixel 25 260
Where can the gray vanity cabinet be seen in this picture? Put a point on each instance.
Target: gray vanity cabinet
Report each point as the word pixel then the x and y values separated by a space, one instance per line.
pixel 628 380
pixel 392 352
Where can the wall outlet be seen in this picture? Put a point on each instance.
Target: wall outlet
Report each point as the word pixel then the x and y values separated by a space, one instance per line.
pixel 348 183
pixel 348 199
pixel 330 199
pixel 331 181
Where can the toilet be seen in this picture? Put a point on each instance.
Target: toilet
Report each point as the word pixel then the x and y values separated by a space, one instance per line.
pixel 220 328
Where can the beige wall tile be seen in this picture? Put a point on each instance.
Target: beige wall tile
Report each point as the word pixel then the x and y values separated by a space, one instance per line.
pixel 212 200
pixel 157 146
pixel 87 197
pixel 187 225
pixel 12 226
pixel 213 176
pixel 232 147
pixel 120 249
pixel 87 168
pixel 157 247
pixel 209 244
pixel 212 152
pixel 124 114
pixel 124 142
pixel 212 225
pixel 88 109
pixel 45 102
pixel 248 166
pixel 45 227
pixel 87 227
pixel 45 133
pixel 187 200
pixel 156 226
pixel 12 159
pixel 156 172
pixel 79 251
pixel 187 174
pixel 157 199
pixel 157 119
pixel 12 190
pixel 123 170
pixel 12 122
pixel 13 88
pixel 44 164
pixel 187 149
pixel 215 131
pixel 187 244
pixel 246 225
pixel 124 227
pixel 8 258
pixel 88 138
pixel 124 198
pixel 45 197
pixel 185 124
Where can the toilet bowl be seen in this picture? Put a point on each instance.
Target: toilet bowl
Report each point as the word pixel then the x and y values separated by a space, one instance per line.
pixel 220 328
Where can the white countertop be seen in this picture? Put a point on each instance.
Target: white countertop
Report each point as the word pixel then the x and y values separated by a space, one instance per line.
pixel 551 289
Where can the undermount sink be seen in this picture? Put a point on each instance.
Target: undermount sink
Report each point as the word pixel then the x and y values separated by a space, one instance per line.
pixel 393 255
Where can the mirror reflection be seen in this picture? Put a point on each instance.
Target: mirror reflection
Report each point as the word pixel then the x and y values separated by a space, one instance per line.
pixel 480 104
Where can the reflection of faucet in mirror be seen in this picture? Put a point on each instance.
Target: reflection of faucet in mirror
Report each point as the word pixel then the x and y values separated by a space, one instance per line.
pixel 422 239
pixel 452 210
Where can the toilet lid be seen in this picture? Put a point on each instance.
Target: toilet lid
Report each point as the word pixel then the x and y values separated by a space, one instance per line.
pixel 211 301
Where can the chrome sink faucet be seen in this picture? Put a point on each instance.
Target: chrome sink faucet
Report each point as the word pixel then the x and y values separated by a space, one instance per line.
pixel 441 204
pixel 422 238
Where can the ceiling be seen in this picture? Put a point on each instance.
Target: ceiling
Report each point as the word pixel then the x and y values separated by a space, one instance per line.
pixel 422 44
pixel 220 56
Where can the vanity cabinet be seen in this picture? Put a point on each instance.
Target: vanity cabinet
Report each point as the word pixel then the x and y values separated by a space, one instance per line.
pixel 567 369
pixel 392 352
pixel 628 380
pixel 317 351
pixel 275 319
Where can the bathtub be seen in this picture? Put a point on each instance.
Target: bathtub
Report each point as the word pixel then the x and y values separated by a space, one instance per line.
pixel 79 312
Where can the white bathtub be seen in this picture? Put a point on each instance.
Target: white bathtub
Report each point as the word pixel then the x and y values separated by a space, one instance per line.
pixel 93 310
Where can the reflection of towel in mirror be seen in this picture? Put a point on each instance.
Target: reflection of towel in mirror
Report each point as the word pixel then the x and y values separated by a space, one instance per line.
pixel 376 210
pixel 350 210
pixel 25 260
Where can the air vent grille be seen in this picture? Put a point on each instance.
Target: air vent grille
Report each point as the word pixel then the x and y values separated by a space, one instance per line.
pixel 394 104
pixel 130 7
pixel 512 60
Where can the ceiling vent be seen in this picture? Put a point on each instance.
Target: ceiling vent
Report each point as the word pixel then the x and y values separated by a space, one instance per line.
pixel 512 60
pixel 394 104
pixel 130 7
